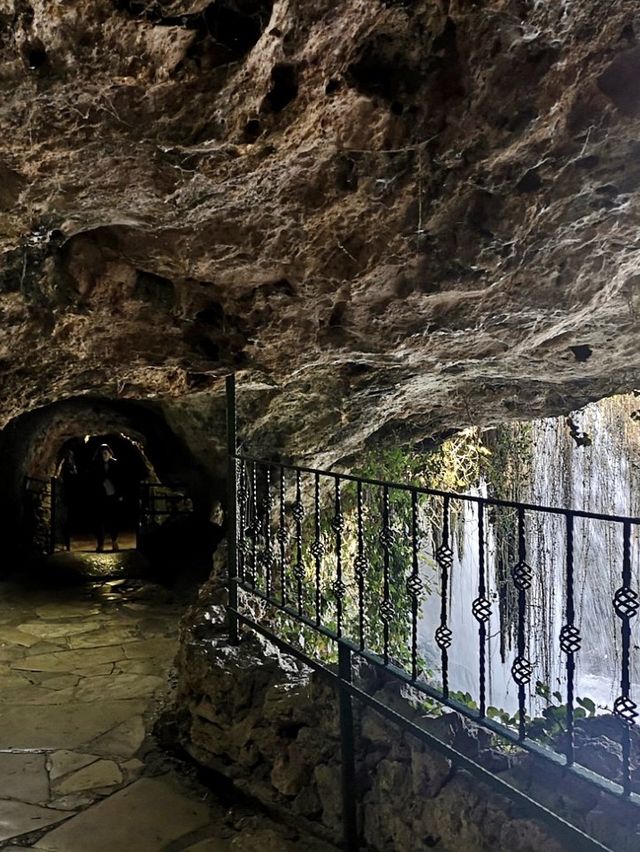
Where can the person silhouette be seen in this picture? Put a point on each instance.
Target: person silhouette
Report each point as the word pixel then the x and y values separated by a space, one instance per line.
pixel 69 479
pixel 106 480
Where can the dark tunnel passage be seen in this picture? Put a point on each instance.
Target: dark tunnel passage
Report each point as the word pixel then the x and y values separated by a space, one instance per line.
pixel 65 494
pixel 77 493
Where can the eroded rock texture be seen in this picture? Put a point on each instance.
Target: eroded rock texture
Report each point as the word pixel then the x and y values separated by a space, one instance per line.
pixel 408 215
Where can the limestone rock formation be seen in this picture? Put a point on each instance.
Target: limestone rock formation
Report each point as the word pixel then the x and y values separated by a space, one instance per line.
pixel 392 216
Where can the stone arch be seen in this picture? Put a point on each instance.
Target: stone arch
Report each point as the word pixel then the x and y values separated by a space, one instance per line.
pixel 31 446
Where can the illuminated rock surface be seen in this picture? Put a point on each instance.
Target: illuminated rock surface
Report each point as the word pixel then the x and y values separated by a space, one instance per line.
pixel 408 216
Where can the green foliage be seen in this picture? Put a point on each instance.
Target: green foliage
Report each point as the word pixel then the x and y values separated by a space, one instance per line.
pixel 464 698
pixel 552 722
pixel 554 719
pixel 499 458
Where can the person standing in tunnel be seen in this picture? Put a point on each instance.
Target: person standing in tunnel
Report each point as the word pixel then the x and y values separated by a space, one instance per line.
pixel 106 480
pixel 69 478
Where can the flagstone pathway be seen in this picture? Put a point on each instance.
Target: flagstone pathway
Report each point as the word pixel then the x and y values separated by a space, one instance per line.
pixel 83 673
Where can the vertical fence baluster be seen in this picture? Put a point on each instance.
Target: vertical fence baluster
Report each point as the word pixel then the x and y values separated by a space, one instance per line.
pixel 626 607
pixel 570 640
pixel 521 669
pixel 242 505
pixel 268 553
pixel 232 509
pixel 255 525
pixel 360 567
pixel 283 537
pixel 414 584
pixel 339 588
pixel 481 609
pixel 349 793
pixel 298 514
pixel 444 558
pixel 386 539
pixel 317 549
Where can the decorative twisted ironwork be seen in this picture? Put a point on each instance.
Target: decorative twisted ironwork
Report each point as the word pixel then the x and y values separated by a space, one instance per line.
pixel 283 535
pixel 339 587
pixel 481 609
pixel 387 610
pixel 254 526
pixel 267 556
pixel 360 565
pixel 242 546
pixel 626 709
pixel 522 669
pixel 337 523
pixel 270 552
pixel 317 548
pixel 626 602
pixel 387 537
pixel 444 555
pixel 297 510
pixel 522 576
pixel 414 586
pixel 570 640
pixel 283 538
pixel 443 635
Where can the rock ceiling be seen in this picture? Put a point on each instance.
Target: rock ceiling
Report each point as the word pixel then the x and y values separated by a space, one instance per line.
pixel 390 216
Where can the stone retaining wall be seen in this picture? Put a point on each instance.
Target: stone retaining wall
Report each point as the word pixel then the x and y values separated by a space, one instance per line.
pixel 271 726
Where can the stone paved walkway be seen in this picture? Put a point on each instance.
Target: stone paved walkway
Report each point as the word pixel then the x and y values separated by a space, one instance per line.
pixel 83 672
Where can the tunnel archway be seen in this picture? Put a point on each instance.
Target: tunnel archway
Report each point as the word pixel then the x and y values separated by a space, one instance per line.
pixel 76 514
pixel 154 451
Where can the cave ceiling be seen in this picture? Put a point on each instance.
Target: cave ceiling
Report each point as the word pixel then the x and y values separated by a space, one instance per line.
pixel 390 217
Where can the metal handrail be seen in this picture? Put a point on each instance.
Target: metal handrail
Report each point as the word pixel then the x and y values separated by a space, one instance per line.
pixel 435 492
pixel 267 561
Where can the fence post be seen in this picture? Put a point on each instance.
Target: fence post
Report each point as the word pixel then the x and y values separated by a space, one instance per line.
pixel 349 818
pixel 232 510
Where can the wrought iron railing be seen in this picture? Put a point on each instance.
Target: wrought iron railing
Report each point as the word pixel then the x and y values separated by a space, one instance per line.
pixel 353 561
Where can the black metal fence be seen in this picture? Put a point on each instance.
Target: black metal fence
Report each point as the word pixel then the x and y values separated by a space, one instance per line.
pixel 358 563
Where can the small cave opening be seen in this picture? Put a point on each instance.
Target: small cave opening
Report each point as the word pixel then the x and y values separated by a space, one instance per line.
pixel 332 86
pixel 284 88
pixel 237 24
pixel 226 29
pixel 252 131
pixel 35 55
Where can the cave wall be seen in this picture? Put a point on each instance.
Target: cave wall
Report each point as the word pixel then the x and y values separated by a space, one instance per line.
pixel 399 217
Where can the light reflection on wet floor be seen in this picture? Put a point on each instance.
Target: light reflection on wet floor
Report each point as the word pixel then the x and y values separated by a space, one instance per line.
pixel 82 670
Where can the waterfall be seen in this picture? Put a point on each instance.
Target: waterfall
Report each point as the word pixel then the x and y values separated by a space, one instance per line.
pixel 590 461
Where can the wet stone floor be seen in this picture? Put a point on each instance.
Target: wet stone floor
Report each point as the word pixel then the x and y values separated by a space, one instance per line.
pixel 84 672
